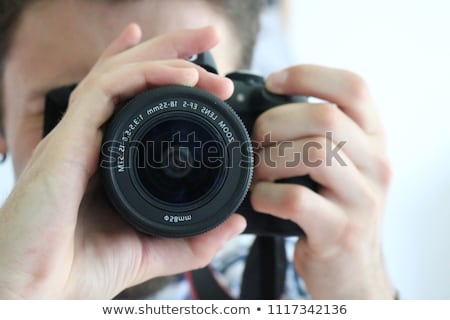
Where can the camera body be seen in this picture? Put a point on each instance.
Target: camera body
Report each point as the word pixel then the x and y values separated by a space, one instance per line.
pixel 178 161
pixel 250 99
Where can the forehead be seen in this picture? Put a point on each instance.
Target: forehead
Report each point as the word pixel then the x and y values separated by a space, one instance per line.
pixel 57 42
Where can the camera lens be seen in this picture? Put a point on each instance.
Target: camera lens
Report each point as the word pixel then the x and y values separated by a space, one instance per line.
pixel 176 161
pixel 179 160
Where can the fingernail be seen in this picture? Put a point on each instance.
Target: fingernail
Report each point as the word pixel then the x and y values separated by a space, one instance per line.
pixel 277 81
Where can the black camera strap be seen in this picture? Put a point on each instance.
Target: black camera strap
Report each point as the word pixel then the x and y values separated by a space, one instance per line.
pixel 263 278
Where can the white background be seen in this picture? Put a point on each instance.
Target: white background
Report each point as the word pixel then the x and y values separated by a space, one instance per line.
pixel 402 49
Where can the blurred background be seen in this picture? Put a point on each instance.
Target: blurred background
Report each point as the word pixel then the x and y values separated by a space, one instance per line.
pixel 402 49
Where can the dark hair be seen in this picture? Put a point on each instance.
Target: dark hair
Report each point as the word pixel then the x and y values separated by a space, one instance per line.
pixel 242 14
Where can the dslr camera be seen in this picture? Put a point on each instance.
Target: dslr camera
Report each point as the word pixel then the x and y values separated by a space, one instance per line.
pixel 178 161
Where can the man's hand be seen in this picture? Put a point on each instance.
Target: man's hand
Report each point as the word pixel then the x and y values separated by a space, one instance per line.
pixel 59 238
pixel 341 145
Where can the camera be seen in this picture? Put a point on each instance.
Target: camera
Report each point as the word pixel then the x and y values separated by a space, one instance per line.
pixel 178 161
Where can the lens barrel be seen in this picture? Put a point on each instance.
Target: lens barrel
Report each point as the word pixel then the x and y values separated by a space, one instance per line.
pixel 176 161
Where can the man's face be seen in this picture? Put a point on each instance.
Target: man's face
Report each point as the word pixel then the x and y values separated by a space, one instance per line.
pixel 57 43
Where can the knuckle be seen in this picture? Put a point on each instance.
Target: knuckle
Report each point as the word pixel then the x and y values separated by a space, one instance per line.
pixel 294 200
pixel 103 82
pixel 357 88
pixel 97 81
pixel 107 88
pixel 385 171
pixel 81 89
pixel 262 126
pixel 73 96
pixel 328 116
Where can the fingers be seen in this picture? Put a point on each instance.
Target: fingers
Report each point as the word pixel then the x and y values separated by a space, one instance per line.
pixel 342 219
pixel 162 256
pixel 126 69
pixel 353 124
pixel 319 158
pixel 294 121
pixel 343 88
pixel 142 76
pixel 175 45
pixel 94 100
pixel 185 43
pixel 321 219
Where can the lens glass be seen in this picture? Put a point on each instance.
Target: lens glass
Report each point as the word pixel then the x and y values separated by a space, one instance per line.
pixel 180 160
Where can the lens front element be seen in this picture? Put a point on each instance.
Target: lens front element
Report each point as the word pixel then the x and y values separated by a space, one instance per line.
pixel 181 160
